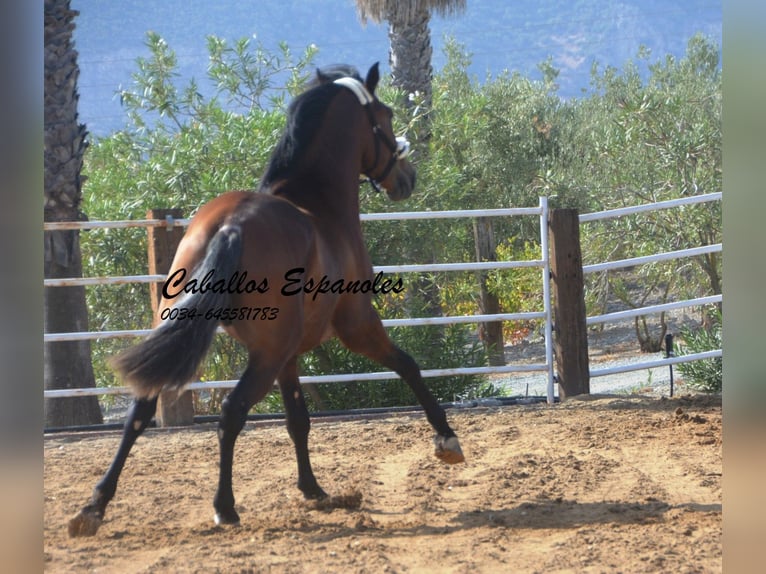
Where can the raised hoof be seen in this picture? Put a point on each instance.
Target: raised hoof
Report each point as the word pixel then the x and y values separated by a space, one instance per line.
pixel 230 518
pixel 84 523
pixel 448 449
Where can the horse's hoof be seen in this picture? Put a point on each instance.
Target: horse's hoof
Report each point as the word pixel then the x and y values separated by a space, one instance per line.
pixel 85 523
pixel 230 518
pixel 311 489
pixel 315 494
pixel 448 449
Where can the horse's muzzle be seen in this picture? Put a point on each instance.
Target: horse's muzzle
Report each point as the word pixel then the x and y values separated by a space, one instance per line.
pixel 405 181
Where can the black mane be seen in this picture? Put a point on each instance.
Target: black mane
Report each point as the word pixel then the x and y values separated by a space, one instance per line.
pixel 304 115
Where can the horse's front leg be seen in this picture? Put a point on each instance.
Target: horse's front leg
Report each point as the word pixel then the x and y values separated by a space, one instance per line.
pixel 88 520
pixel 446 444
pixel 369 338
pixel 298 426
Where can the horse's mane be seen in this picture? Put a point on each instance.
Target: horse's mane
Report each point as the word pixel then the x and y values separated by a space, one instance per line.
pixel 304 116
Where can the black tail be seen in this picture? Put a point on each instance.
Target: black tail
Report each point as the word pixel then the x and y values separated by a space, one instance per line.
pixel 168 358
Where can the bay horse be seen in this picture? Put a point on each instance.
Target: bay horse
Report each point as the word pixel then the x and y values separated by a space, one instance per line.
pixel 282 269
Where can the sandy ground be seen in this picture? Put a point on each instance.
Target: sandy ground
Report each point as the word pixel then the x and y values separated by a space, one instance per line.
pixel 603 484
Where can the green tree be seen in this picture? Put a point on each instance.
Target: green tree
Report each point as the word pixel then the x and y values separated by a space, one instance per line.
pixel 632 142
pixel 410 43
pixel 497 143
pixel 707 375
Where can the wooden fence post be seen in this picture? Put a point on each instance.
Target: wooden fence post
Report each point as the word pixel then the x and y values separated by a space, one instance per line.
pixel 172 409
pixel 569 326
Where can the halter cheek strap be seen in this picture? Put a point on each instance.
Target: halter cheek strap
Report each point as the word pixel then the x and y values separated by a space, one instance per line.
pixel 399 149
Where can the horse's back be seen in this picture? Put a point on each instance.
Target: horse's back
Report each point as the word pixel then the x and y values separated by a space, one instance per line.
pixel 251 210
pixel 275 235
pixel 280 247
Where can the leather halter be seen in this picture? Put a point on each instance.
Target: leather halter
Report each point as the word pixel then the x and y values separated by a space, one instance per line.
pixel 399 149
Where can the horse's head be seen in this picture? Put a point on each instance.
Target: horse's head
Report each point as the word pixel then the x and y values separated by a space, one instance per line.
pixel 384 156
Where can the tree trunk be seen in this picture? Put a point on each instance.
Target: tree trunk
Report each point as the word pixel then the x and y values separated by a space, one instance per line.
pixel 411 70
pixel 67 364
pixel 491 334
pixel 410 53
pixel 410 60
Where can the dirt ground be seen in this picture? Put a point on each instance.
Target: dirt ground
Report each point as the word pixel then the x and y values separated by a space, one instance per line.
pixel 603 484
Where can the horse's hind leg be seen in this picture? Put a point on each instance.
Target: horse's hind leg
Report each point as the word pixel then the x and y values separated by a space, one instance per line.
pixel 254 384
pixel 88 520
pixel 298 426
pixel 371 340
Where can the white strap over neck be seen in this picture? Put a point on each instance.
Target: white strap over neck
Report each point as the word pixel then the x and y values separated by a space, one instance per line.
pixel 359 89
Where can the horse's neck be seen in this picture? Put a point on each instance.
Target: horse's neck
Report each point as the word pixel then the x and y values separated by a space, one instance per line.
pixel 326 187
pixel 336 200
pixel 326 181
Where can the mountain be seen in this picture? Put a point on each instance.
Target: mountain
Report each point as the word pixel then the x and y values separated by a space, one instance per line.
pixel 500 34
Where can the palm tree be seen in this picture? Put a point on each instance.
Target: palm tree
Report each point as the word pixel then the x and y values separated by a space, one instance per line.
pixel 410 59
pixel 410 37
pixel 411 70
pixel 67 364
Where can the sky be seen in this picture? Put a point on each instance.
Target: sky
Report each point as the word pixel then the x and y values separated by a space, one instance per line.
pixel 499 35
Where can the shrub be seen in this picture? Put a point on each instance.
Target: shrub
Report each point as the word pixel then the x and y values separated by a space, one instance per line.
pixel 707 375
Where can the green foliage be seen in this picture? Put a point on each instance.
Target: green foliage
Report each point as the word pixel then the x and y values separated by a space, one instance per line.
pixel 642 141
pixel 178 150
pixel 499 143
pixel 707 375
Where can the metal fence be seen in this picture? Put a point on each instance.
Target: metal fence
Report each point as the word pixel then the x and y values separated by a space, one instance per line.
pixel 541 212
pixel 652 309
pixel 544 315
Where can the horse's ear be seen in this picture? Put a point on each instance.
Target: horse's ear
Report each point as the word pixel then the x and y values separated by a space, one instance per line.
pixel 321 77
pixel 373 76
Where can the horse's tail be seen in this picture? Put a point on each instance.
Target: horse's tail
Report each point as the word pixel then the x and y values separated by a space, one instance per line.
pixel 169 356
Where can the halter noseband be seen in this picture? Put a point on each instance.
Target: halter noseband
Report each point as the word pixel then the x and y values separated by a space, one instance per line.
pixel 399 149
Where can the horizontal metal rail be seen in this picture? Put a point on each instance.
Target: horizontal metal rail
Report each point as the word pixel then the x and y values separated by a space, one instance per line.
pixel 658 363
pixel 415 268
pixel 406 322
pixel 410 215
pixel 648 310
pixel 169 222
pixel 612 213
pixel 113 280
pixel 339 378
pixel 666 256
pixel 392 216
